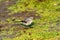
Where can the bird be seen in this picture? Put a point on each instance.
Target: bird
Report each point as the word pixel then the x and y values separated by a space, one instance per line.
pixel 27 21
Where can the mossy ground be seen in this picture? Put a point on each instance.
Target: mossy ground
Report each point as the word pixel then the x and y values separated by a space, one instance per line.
pixel 46 15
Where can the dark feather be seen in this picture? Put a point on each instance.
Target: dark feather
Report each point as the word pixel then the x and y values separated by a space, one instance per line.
pixel 24 21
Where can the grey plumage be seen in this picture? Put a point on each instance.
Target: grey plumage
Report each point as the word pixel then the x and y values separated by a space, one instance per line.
pixel 27 21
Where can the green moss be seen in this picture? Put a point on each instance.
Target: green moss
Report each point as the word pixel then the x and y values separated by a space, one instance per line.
pixel 48 11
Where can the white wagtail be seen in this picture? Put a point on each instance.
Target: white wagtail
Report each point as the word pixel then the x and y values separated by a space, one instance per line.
pixel 27 21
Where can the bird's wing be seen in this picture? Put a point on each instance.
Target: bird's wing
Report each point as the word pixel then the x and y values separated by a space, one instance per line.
pixel 23 21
